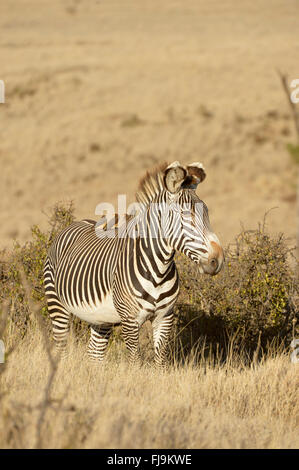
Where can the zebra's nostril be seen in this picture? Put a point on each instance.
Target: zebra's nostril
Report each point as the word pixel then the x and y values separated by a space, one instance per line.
pixel 214 263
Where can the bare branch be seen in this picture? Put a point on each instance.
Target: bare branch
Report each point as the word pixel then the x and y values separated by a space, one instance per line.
pixel 284 82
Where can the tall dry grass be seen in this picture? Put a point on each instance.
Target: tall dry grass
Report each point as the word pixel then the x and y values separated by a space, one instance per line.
pixel 45 403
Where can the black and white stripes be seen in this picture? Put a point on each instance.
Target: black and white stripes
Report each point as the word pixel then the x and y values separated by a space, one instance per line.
pixel 131 276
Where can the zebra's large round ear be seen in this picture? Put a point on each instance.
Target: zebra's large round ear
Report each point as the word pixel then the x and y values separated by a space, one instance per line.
pixel 195 175
pixel 174 176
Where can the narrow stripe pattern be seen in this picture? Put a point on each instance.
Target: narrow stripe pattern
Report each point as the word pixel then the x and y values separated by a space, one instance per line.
pixel 123 272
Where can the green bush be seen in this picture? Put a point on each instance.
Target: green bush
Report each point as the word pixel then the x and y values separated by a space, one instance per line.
pixel 254 298
pixel 294 152
pixel 22 269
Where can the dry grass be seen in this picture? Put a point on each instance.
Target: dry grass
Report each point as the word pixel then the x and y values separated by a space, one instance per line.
pixel 78 405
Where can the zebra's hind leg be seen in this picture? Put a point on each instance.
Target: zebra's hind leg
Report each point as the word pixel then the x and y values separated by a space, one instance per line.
pixel 60 318
pixel 161 332
pixel 99 337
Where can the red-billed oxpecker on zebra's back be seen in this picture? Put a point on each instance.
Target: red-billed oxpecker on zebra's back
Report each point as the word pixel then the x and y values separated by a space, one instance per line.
pixel 124 273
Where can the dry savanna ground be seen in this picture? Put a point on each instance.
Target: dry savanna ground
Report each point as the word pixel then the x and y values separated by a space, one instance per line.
pixel 96 93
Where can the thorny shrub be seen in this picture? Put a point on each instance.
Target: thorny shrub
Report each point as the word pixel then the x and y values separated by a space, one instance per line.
pixel 254 299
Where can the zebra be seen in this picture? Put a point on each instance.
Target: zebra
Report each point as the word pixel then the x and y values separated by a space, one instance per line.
pixel 130 277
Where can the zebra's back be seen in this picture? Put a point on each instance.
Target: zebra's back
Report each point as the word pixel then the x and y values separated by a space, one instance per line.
pixel 79 272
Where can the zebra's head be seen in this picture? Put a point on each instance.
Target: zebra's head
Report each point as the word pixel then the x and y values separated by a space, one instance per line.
pixel 186 223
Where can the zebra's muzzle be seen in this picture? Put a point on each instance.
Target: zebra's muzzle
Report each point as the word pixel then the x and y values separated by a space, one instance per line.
pixel 212 267
pixel 215 261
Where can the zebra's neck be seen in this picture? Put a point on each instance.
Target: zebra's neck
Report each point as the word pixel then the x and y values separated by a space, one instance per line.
pixel 146 232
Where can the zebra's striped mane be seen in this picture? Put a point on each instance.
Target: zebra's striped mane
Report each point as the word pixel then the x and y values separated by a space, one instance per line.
pixel 151 184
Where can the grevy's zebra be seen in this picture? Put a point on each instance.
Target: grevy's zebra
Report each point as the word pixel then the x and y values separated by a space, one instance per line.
pixel 131 277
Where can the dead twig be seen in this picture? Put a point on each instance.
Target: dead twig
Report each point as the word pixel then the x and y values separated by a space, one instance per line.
pixel 295 114
pixel 47 401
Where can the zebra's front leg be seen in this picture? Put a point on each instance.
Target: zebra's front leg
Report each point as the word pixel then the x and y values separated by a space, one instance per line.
pixel 161 332
pixel 130 333
pixel 99 337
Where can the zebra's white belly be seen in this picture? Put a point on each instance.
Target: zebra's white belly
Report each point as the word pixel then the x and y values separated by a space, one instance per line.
pixel 104 312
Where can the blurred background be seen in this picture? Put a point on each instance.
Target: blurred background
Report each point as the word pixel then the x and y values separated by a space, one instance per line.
pixel 97 92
